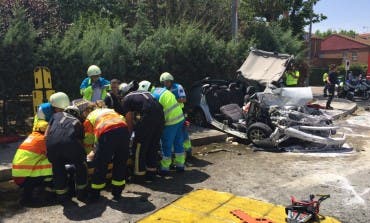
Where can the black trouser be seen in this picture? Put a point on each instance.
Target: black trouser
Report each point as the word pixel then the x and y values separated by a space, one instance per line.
pixel 331 95
pixel 30 183
pixel 59 156
pixel 112 144
pixel 326 87
pixel 148 134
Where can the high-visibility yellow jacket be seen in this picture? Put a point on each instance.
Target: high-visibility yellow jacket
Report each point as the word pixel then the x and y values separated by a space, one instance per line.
pixel 172 110
pixel 325 77
pixel 30 159
pixel 98 122
pixel 292 78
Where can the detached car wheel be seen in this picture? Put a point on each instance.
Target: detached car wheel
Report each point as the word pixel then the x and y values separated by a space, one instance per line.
pixel 258 131
pixel 199 119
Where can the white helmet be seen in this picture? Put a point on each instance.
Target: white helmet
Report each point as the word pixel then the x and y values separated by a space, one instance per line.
pixel 144 86
pixel 122 86
pixel 93 71
pixel 59 100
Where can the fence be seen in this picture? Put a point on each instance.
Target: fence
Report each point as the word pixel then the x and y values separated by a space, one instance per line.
pixel 16 115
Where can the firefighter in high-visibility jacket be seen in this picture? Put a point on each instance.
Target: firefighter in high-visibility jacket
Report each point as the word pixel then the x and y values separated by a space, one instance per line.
pixel 168 82
pixel 172 135
pixel 64 146
pixel 31 168
pixel 107 131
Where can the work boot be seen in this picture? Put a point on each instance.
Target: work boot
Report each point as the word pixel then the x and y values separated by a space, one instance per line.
pixel 164 173
pixel 189 155
pixel 150 176
pixel 180 169
pixel 63 198
pixel 94 196
pixel 117 192
pixel 81 194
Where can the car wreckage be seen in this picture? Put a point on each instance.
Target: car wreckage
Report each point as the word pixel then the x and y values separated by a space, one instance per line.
pixel 268 118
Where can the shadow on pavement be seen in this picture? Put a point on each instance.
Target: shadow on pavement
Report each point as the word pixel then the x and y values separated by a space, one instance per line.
pixel 87 212
pixel 137 204
pixel 133 205
pixel 177 183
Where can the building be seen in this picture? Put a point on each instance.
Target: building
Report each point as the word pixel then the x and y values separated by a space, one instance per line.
pixel 341 48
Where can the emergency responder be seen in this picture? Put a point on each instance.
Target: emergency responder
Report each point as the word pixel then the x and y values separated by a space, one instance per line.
pixel 108 131
pixel 167 81
pixel 94 87
pixel 326 83
pixel 292 76
pixel 172 135
pixel 113 99
pixel 332 80
pixel 148 129
pixel 64 146
pixel 31 168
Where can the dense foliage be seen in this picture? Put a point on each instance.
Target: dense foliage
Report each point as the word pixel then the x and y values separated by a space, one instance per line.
pixel 139 39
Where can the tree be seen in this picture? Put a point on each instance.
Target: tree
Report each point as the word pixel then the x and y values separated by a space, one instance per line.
pixel 43 14
pixel 324 34
pixel 292 14
pixel 18 55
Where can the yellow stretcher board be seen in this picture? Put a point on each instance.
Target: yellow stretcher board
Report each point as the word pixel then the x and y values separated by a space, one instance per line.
pixel 43 86
pixel 42 78
pixel 213 206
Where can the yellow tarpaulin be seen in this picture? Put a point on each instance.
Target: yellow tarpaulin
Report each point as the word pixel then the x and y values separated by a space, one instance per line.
pixel 213 206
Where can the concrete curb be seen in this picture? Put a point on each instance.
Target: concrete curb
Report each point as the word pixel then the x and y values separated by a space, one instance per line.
pixel 345 113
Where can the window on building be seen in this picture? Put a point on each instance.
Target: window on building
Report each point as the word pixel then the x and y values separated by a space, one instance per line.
pixel 354 56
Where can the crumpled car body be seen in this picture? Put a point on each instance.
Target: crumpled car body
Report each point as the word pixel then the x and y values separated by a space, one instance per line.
pixel 265 118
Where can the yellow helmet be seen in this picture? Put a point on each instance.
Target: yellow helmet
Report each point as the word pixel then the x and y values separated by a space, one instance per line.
pixel 93 70
pixel 40 125
pixel 166 77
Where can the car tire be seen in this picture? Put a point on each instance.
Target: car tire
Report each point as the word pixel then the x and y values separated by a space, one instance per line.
pixel 258 131
pixel 198 118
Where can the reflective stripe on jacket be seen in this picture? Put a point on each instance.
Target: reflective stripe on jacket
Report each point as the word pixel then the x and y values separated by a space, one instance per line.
pixel 30 159
pixel 172 110
pixel 98 122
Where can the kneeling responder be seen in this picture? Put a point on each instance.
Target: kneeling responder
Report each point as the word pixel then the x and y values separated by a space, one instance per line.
pixel 64 146
pixel 108 130
pixel 148 129
pixel 172 135
pixel 94 87
pixel 31 168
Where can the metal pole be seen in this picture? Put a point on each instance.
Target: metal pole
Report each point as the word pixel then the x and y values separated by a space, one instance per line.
pixel 234 20
pixel 309 46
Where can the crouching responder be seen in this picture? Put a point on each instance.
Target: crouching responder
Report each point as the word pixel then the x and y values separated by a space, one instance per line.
pixel 31 168
pixel 172 135
pixel 167 81
pixel 108 131
pixel 64 146
pixel 94 87
pixel 148 129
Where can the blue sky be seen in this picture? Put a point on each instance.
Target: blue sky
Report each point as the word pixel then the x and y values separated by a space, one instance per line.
pixel 343 14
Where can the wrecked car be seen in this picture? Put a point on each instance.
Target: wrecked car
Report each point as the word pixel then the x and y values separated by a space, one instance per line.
pixel 265 118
